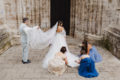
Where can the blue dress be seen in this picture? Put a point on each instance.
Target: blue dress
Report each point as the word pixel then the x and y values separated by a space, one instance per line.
pixel 94 54
pixel 87 68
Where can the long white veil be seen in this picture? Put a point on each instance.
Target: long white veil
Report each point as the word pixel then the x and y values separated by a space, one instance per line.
pixel 39 39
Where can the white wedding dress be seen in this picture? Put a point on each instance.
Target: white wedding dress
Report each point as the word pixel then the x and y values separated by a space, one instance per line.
pixel 58 41
pixel 40 40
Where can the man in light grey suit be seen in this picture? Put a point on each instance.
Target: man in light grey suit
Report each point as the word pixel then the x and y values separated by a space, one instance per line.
pixel 24 41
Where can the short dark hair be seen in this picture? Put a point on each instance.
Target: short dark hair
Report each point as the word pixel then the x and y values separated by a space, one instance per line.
pixel 25 19
pixel 63 49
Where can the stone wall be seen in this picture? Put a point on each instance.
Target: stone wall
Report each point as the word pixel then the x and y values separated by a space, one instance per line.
pixel 11 14
pixel 87 17
pixel 91 17
pixel 111 40
pixel 5 40
pixel 4 35
pixel 38 11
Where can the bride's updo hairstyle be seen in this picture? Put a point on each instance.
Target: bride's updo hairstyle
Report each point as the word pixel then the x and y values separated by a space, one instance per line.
pixel 63 49
pixel 83 51
pixel 85 45
pixel 59 26
pixel 60 23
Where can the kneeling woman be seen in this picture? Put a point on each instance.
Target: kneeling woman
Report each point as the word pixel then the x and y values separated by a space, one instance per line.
pixel 91 51
pixel 87 66
pixel 58 64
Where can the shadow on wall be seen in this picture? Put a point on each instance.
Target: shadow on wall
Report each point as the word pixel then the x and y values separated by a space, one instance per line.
pixel 111 40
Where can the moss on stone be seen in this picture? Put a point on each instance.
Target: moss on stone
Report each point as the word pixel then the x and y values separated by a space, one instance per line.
pixel 5 47
pixel 106 44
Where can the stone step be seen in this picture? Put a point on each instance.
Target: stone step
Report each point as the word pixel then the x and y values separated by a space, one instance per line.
pixel 15 40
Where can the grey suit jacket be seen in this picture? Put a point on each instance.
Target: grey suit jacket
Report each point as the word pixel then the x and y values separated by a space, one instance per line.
pixel 22 33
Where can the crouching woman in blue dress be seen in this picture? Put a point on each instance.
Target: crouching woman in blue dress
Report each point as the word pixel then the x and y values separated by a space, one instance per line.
pixel 87 66
pixel 92 51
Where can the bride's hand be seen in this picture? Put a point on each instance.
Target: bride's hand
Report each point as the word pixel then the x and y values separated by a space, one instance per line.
pixel 77 61
pixel 38 27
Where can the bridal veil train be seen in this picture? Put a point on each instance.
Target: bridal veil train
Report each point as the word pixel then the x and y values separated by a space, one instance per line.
pixel 40 40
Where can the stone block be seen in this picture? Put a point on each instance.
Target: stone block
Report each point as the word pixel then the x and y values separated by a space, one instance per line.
pixel 111 40
pixel 4 40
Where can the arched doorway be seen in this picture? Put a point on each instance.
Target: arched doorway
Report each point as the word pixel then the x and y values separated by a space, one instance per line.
pixel 60 10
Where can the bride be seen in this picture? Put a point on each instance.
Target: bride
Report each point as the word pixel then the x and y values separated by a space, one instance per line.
pixel 56 37
pixel 57 42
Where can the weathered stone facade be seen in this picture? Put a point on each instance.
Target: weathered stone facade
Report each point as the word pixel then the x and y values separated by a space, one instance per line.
pixel 38 11
pixel 87 17
pixel 111 40
pixel 93 16
pixel 4 40
pixel 12 12
pixel 4 35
